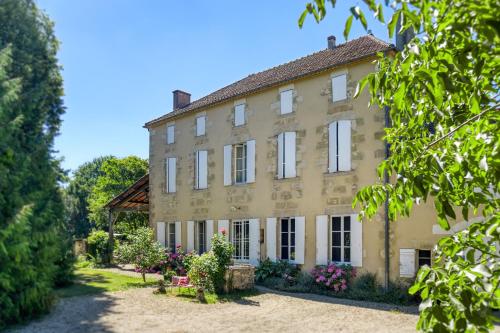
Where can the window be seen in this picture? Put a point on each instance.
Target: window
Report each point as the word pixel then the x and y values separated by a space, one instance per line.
pixel 171 237
pixel 200 237
pixel 339 146
pixel 341 239
pixel 241 239
pixel 201 170
pixel 239 115
pixel 424 258
pixel 339 88
pixel 170 134
pixel 200 125
pixel 240 163
pixel 286 100
pixel 286 155
pixel 287 238
pixel 170 174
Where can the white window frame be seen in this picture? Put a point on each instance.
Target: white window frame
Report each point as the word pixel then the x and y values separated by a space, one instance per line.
pixel 288 166
pixel 201 123
pixel 197 174
pixel 169 234
pixel 198 241
pixel 335 82
pixel 342 245
pixel 239 244
pixel 239 115
pixel 419 256
pixel 291 255
pixel 336 146
pixel 170 179
pixel 286 101
pixel 170 134
pixel 243 171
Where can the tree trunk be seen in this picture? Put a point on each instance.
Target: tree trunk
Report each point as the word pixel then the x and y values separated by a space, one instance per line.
pixel 143 276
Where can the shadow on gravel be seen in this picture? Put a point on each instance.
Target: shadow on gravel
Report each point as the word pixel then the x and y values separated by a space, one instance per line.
pixel 342 301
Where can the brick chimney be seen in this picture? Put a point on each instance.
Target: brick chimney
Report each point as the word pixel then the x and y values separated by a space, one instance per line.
pixel 331 42
pixel 181 99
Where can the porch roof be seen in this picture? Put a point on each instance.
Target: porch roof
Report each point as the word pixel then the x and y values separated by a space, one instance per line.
pixel 136 197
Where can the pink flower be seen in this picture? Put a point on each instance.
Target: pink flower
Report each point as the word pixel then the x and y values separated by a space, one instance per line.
pixel 344 287
pixel 223 231
pixel 330 269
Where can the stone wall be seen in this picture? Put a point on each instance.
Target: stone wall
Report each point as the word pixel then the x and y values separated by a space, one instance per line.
pixel 239 277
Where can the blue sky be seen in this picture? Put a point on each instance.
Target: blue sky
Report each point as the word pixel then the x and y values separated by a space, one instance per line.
pixel 123 58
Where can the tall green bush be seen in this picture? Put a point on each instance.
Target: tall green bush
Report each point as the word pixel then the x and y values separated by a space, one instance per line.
pixel 33 250
pixel 98 242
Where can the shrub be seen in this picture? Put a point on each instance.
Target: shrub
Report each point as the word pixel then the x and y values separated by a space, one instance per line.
pixel 366 282
pixel 174 262
pixel 281 269
pixel 142 251
pixel 333 277
pixel 188 259
pixel 98 242
pixel 223 251
pixel 203 271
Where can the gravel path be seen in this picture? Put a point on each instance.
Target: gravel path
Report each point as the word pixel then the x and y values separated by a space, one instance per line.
pixel 129 270
pixel 138 310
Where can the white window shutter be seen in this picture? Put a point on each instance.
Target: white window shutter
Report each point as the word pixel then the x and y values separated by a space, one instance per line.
pixel 172 168
pixel 322 240
pixel 209 232
pixel 201 169
pixel 223 224
pixel 280 154
pixel 286 101
pixel 160 233
pixel 170 134
pixel 190 236
pixel 290 171
pixel 339 88
pixel 251 161
pixel 227 165
pixel 178 233
pixel 407 262
pixel 200 126
pixel 300 236
pixel 356 241
pixel 254 238
pixel 271 238
pixel 344 134
pixel 239 115
pixel 332 147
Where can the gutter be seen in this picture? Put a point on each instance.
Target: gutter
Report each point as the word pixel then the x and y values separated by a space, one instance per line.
pixel 386 209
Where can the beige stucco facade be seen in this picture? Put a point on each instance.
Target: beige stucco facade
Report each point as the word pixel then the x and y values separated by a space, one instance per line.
pixel 312 192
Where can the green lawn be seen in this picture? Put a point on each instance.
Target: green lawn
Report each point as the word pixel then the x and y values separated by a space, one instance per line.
pixel 92 281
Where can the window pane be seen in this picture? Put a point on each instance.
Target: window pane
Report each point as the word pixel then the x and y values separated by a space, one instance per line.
pixel 336 239
pixel 292 253
pixel 336 223
pixel 284 238
pixel 347 239
pixel 284 225
pixel 347 223
pixel 292 225
pixel 336 254
pixel 347 254
pixel 284 253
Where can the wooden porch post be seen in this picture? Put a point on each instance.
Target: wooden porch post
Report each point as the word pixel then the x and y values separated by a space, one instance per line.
pixel 111 237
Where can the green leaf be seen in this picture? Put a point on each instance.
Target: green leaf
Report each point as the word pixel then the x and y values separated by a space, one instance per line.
pixel 391 27
pixel 347 27
pixel 302 18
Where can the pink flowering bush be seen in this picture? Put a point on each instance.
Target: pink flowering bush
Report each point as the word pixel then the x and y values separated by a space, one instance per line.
pixel 334 277
pixel 174 261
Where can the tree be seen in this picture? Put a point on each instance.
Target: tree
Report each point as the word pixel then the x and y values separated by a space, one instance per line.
pixel 142 251
pixel 33 250
pixel 117 176
pixel 78 192
pixel 441 93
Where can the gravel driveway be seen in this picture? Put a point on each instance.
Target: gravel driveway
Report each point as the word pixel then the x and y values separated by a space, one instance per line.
pixel 138 310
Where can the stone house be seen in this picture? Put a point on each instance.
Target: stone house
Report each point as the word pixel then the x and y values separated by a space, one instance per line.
pixel 276 159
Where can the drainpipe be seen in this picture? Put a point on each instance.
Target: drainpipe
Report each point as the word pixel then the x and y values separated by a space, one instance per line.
pixel 386 208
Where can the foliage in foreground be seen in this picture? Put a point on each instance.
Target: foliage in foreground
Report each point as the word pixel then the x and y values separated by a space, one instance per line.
pixel 34 252
pixel 98 246
pixel 143 251
pixel 441 93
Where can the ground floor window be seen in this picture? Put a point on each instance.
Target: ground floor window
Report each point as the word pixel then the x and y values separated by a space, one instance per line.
pixel 287 239
pixel 424 258
pixel 200 242
pixel 170 239
pixel 341 239
pixel 240 236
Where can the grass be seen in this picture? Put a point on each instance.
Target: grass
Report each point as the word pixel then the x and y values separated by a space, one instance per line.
pixel 93 281
pixel 189 294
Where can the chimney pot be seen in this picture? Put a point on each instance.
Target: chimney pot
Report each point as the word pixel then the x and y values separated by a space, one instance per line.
pixel 331 42
pixel 181 99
